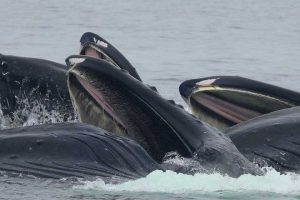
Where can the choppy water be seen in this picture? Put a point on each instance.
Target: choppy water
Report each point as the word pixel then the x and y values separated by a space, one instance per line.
pixel 157 185
pixel 168 42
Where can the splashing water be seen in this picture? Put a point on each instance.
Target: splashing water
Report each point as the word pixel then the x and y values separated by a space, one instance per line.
pixel 33 113
pixel 171 182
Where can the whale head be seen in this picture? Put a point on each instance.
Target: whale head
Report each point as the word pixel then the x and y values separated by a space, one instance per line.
pixel 109 97
pixel 224 101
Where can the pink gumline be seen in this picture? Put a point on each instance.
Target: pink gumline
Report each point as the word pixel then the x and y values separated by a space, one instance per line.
pixel 99 98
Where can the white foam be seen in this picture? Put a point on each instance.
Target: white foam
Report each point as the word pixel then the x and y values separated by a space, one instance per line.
pixel 171 182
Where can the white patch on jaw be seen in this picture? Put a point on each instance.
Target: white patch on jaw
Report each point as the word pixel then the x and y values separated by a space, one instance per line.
pixel 74 61
pixel 207 82
pixel 101 43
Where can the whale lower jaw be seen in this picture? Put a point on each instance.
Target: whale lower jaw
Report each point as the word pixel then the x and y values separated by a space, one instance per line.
pixel 106 104
pixel 218 106
pixel 224 101
pixel 94 110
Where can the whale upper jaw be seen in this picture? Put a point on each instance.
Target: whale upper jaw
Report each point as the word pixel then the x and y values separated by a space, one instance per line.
pixel 103 49
pixel 134 110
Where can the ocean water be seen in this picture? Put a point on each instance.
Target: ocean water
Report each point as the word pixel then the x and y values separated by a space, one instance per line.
pixel 168 42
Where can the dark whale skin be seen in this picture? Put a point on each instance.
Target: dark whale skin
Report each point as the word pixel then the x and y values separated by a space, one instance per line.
pixel 33 80
pixel 89 38
pixel 271 140
pixel 72 150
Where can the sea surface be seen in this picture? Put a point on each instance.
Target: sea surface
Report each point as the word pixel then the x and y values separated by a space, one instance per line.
pixel 168 41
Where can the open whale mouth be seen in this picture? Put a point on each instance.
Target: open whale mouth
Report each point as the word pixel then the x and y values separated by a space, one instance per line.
pixel 91 104
pixel 226 101
pixel 112 99
pixel 90 49
pixel 104 96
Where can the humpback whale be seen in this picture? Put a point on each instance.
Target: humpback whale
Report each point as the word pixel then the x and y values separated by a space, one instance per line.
pixel 224 101
pixel 261 119
pixel 272 139
pixel 129 130
pixel 72 150
pixel 153 125
pixel 25 82
pixel 109 97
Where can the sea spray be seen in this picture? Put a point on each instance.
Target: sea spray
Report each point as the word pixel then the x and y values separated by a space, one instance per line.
pixel 33 113
pixel 172 182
